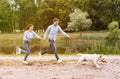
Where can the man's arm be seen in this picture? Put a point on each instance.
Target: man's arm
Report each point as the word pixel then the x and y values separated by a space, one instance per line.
pixel 65 34
pixel 46 32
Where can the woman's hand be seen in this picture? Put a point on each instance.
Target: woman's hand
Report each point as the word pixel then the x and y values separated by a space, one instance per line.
pixel 27 40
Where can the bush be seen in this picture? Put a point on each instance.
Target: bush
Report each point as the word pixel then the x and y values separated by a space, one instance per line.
pixel 79 20
pixel 113 31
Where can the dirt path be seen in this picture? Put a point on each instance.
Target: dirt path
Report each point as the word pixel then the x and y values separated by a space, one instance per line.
pixel 47 68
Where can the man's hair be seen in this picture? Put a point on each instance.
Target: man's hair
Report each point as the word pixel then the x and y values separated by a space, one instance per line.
pixel 55 19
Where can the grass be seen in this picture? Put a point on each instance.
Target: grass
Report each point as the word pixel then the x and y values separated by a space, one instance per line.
pixel 13 36
pixel 89 38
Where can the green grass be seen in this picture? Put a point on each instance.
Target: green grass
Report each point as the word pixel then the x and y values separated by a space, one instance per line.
pixel 20 35
pixel 8 42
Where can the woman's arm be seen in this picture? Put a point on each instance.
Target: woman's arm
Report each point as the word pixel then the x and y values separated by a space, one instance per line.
pixel 36 35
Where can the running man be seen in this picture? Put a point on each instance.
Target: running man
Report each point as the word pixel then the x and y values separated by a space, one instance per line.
pixel 52 31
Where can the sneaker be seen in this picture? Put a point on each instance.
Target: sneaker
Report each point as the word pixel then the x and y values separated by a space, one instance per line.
pixel 25 62
pixel 59 60
pixel 18 50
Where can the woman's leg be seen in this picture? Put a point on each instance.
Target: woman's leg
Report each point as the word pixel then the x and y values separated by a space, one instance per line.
pixel 26 51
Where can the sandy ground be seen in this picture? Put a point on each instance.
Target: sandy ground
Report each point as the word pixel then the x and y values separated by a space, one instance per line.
pixel 47 68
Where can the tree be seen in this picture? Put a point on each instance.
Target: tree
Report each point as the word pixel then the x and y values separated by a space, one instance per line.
pixel 79 20
pixel 102 12
pixel 20 13
pixel 26 13
pixel 5 16
pixel 113 34
pixel 48 9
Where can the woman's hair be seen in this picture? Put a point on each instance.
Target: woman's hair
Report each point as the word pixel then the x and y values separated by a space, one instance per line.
pixel 27 28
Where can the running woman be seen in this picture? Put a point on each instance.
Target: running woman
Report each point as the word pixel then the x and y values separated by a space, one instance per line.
pixel 27 39
pixel 52 31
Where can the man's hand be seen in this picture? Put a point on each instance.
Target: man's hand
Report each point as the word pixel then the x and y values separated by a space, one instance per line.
pixel 40 38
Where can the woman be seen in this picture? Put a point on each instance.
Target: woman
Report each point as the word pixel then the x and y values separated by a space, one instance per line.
pixel 27 39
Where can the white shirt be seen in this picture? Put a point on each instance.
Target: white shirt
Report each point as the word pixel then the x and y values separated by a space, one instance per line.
pixel 29 35
pixel 52 32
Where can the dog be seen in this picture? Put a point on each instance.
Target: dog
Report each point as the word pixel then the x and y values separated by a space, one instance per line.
pixel 93 58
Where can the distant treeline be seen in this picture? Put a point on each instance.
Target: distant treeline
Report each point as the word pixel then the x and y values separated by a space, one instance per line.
pixel 17 14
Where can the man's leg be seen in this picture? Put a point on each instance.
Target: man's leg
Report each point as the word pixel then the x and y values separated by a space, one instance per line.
pixel 46 51
pixel 52 43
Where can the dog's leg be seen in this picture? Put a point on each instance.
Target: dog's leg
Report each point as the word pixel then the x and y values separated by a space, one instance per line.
pixel 80 60
pixel 95 62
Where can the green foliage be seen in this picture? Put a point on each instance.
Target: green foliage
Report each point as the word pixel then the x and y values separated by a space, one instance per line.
pixel 26 13
pixel 5 16
pixel 48 9
pixel 79 20
pixel 113 31
pixel 19 14
pixel 102 12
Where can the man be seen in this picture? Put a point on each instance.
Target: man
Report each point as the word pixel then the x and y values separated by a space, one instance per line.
pixel 52 31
